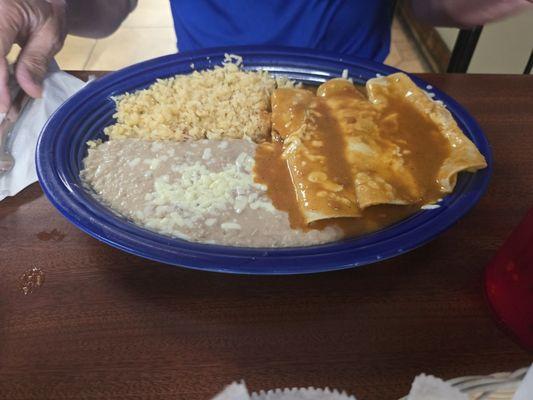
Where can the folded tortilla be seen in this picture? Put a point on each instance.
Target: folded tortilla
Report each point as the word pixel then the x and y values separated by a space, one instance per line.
pixel 345 152
pixel 322 186
pixel 463 155
pixel 377 164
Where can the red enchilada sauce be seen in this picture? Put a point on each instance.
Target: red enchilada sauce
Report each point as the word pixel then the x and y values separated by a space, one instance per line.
pixel 423 147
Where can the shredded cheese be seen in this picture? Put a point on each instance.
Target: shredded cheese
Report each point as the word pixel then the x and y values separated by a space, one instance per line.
pixel 199 194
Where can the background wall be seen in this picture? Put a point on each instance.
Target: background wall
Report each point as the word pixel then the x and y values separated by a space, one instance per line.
pixel 504 47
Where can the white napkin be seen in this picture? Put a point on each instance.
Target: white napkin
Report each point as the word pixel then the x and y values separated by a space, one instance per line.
pixel 424 387
pixel 427 387
pixel 525 390
pixel 235 391
pixel 58 87
pixel 301 394
pixel 238 391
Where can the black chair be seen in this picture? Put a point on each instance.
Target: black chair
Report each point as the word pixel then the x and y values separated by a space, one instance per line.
pixel 529 64
pixel 464 48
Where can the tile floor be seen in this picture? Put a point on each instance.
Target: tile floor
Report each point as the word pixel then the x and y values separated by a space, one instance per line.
pixel 404 53
pixel 148 33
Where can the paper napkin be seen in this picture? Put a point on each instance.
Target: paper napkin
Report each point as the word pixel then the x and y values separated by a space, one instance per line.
pixel 58 87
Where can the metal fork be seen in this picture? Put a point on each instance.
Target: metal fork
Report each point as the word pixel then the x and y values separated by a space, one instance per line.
pixel 6 126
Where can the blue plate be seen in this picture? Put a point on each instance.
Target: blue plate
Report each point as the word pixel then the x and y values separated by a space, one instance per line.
pixel 62 147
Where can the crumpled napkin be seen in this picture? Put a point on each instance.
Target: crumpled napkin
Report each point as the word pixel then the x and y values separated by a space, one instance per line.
pixel 58 87
pixel 424 387
pixel 301 394
pixel 235 391
pixel 428 387
pixel 525 391
pixel 238 391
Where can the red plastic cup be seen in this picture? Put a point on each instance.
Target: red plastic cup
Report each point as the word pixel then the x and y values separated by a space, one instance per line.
pixel 509 283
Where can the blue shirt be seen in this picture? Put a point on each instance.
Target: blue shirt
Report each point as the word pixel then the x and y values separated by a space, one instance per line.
pixel 355 27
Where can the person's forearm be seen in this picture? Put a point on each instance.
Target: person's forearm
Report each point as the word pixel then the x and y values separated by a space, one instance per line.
pixel 466 13
pixel 97 18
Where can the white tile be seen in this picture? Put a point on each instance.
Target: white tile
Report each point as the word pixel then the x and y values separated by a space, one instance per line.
pixel 75 53
pixel 150 14
pixel 393 58
pixel 73 56
pixel 13 54
pixel 413 66
pixel 404 53
pixel 129 46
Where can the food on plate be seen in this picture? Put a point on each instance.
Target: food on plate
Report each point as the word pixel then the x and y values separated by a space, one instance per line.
pixel 201 191
pixel 345 153
pixel 223 102
pixel 311 141
pixel 241 158
pixel 400 92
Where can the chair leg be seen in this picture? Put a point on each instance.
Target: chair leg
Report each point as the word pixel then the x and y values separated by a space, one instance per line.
pixel 529 65
pixel 463 50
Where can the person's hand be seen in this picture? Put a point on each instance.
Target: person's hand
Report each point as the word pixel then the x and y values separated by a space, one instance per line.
pixel 40 28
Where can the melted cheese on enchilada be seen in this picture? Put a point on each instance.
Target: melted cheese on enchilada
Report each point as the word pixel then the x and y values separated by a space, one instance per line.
pixel 360 162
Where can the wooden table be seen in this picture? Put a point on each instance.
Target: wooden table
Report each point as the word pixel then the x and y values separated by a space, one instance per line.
pixel 108 325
